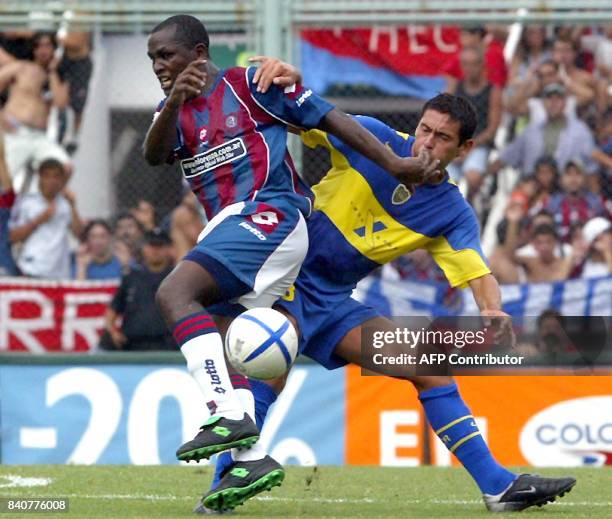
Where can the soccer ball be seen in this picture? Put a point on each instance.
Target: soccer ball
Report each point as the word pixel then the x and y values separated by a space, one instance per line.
pixel 261 343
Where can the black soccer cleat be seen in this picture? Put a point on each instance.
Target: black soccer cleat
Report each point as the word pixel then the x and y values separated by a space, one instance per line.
pixel 200 509
pixel 528 490
pixel 243 481
pixel 219 434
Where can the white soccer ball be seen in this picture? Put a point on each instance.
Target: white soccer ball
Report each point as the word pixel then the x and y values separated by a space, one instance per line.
pixel 261 343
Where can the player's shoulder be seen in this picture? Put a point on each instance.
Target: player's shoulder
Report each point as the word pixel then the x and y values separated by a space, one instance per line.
pixel 235 74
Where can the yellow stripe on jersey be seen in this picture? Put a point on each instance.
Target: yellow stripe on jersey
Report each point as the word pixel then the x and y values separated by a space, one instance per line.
pixel 455 263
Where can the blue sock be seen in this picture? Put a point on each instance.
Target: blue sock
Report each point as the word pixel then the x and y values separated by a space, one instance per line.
pixel 264 397
pixel 454 424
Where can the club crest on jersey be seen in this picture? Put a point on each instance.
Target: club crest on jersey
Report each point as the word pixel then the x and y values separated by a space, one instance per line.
pixel 267 218
pixel 401 194
pixel 203 133
pixel 231 121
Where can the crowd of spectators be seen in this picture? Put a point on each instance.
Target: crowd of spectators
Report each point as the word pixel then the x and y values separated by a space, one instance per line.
pixel 556 92
pixel 555 98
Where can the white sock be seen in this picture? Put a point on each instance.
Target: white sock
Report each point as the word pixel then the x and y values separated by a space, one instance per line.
pixel 206 363
pixel 256 451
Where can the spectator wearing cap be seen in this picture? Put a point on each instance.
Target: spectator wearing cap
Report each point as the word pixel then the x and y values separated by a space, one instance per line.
pixel 94 258
pixel 596 260
pixel 526 98
pixel 133 321
pixel 559 136
pixel 41 222
pixel 574 204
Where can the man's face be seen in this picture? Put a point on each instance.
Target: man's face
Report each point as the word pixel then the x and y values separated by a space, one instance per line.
pixel 51 181
pixel 472 65
pixel 99 241
pixel 168 57
pixel 439 134
pixel 127 229
pixel 43 52
pixel 548 74
pixel 563 53
pixel 554 104
pixel 156 256
pixel 573 179
pixel 544 244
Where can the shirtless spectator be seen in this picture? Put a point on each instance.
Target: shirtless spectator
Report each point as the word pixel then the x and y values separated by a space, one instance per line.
pixel 578 82
pixel 34 87
pixel 40 221
pixel 487 99
pixel 545 266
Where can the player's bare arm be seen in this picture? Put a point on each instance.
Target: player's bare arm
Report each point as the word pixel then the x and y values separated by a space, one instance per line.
pixel 410 170
pixel 161 136
pixel 488 298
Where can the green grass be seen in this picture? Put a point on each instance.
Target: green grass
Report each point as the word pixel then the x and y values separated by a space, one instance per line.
pixel 122 491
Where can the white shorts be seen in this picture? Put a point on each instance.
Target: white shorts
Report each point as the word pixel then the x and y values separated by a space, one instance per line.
pixel 24 145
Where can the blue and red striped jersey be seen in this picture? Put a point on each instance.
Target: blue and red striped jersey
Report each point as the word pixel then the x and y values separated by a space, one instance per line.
pixel 232 142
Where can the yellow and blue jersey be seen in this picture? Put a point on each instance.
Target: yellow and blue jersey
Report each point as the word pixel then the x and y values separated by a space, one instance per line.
pixel 365 218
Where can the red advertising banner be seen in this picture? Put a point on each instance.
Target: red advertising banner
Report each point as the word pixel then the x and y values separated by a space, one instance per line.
pixel 40 316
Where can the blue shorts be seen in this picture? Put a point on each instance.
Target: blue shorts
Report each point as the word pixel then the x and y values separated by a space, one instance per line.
pixel 254 250
pixel 324 323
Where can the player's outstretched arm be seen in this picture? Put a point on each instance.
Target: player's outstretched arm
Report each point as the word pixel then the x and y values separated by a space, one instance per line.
pixel 410 170
pixel 488 298
pixel 161 137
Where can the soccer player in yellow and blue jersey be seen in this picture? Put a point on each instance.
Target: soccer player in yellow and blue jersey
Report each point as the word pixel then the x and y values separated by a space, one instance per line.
pixel 364 217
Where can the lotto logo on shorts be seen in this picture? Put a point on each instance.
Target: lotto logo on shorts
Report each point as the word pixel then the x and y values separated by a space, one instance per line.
pixel 267 218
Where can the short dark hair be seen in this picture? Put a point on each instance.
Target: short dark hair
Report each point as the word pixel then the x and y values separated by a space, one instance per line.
pixel 91 224
pixel 126 215
pixel 188 30
pixel 545 229
pixel 50 164
pixel 459 109
pixel 44 34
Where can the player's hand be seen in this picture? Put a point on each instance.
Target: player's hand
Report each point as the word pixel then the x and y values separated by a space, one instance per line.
pixel 188 84
pixel 501 322
pixel 421 169
pixel 274 71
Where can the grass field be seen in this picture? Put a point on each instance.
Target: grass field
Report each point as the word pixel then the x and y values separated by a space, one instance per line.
pixel 122 491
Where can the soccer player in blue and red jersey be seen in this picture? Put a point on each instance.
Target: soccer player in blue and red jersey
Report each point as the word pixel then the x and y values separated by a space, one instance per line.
pixel 231 141
pixel 364 218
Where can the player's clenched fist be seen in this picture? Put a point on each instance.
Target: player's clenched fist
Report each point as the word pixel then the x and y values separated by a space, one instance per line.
pixel 189 83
